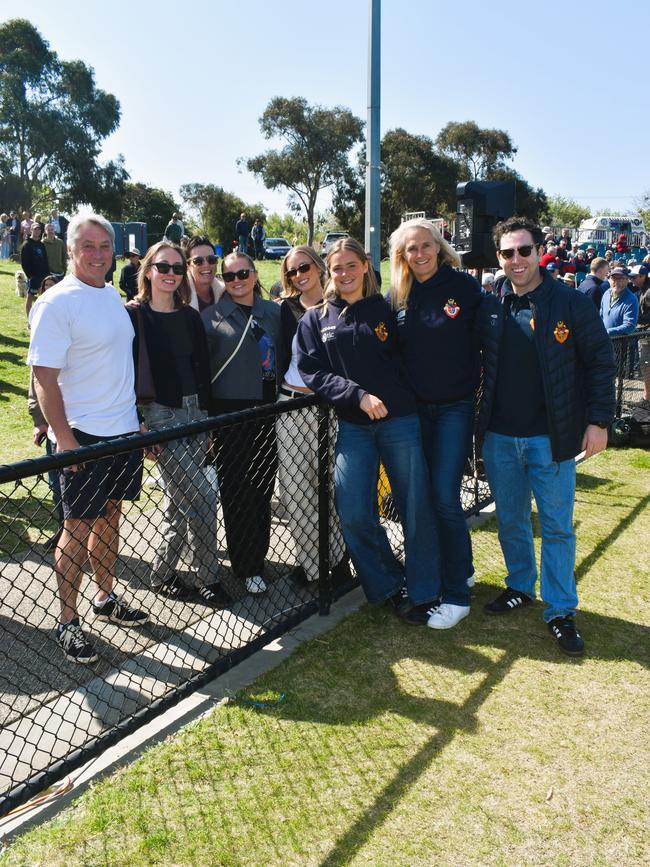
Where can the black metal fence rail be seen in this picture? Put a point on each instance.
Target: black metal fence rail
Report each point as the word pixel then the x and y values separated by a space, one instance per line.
pixel 632 423
pixel 272 467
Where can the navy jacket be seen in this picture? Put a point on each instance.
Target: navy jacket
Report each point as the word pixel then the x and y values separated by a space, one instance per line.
pixel 593 288
pixel 351 350
pixel 576 361
pixel 436 337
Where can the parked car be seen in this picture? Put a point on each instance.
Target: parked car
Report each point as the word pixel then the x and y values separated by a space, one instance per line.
pixel 329 239
pixel 276 248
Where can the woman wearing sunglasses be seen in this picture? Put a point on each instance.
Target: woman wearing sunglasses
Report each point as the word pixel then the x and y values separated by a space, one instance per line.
pixel 435 307
pixel 347 353
pixel 178 357
pixel 246 359
pixel 205 286
pixel 302 274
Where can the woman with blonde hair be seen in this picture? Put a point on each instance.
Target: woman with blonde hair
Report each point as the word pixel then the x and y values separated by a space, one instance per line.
pixel 347 354
pixel 302 275
pixel 435 306
pixel 172 335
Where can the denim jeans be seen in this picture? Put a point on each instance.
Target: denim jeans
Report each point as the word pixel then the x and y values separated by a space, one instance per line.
pixel 515 466
pixel 447 439
pixel 243 244
pixel 191 510
pixel 397 443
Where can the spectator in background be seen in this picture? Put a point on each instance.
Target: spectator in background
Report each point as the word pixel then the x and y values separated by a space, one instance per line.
pixel 609 256
pixel 56 258
pixel 590 254
pixel 242 230
pixel 569 280
pixel 111 271
pixel 33 260
pixel 129 275
pixel 26 225
pixel 553 270
pixel 563 250
pixel 644 323
pixel 621 245
pixel 174 230
pixel 14 231
pixel 81 331
pixel 549 256
pixel 595 283
pixel 258 234
pixel 566 237
pixel 619 308
pixel 487 282
pixel 275 292
pixel 60 224
pixel 580 262
pixel 5 237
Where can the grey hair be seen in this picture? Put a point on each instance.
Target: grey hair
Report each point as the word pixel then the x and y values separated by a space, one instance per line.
pixel 80 220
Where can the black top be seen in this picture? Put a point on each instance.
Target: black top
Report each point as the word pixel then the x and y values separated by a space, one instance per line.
pixel 33 260
pixel 168 379
pixel 177 331
pixel 348 351
pixel 519 408
pixel 129 281
pixel 291 312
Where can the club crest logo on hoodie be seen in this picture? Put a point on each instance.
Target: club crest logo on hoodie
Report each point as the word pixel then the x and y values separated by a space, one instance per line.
pixel 561 332
pixel 451 308
pixel 382 332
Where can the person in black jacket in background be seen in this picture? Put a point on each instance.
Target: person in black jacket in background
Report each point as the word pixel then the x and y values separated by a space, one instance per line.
pixel 178 355
pixel 548 394
pixel 129 274
pixel 347 354
pixel 436 307
pixel 33 260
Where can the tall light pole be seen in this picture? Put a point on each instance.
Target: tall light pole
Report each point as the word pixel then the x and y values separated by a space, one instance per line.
pixel 372 231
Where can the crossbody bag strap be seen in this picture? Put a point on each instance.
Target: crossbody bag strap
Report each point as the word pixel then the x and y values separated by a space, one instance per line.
pixel 234 352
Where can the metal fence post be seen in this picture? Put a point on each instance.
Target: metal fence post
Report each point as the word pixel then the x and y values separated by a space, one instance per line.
pixel 324 587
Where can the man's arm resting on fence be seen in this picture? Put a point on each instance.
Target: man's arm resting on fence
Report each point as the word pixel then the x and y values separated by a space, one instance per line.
pixel 51 401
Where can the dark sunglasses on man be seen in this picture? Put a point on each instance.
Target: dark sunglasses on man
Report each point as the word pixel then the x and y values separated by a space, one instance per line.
pixel 524 251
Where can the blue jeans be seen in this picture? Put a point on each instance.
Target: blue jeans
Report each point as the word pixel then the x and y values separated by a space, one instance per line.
pixel 515 466
pixel 447 439
pixel 243 244
pixel 397 443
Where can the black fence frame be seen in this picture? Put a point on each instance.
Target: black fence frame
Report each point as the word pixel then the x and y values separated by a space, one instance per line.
pixel 475 491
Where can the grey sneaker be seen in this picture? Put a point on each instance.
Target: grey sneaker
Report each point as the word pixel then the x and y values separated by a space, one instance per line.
pixel 119 612
pixel 74 644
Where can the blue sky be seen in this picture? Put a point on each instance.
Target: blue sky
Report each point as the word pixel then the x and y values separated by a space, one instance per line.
pixel 568 82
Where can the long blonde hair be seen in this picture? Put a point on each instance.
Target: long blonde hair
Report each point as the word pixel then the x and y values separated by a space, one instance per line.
pixel 401 276
pixel 369 280
pixel 288 289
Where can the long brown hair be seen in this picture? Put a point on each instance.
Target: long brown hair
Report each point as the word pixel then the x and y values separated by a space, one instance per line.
pixel 181 294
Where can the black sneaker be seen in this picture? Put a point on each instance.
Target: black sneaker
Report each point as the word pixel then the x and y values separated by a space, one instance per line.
pixel 399 601
pixel 74 644
pixel 214 595
pixel 508 601
pixel 418 615
pixel 118 612
pixel 568 638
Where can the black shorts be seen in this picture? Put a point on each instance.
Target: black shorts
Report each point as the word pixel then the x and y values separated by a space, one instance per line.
pixel 86 491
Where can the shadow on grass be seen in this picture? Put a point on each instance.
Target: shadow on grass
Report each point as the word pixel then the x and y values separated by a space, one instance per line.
pixel 5 340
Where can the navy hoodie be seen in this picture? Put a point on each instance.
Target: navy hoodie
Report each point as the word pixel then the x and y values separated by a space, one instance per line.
pixel 350 351
pixel 435 335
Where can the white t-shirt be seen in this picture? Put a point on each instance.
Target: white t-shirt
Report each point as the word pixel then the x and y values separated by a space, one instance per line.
pixel 86 333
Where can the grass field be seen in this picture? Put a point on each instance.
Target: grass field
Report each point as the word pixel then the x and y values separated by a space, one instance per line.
pixel 400 746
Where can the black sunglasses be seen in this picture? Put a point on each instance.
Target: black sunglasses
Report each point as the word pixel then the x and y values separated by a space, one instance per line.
pixel 524 251
pixel 199 260
pixel 164 268
pixel 301 269
pixel 242 274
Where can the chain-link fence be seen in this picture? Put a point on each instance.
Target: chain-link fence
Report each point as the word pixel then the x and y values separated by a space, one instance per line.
pixel 632 423
pixel 184 550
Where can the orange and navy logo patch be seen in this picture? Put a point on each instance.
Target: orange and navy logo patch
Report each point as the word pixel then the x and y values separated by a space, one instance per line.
pixel 532 324
pixel 451 308
pixel 382 332
pixel 561 332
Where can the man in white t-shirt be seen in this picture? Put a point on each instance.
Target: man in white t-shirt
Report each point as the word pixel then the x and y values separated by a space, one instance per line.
pixel 82 358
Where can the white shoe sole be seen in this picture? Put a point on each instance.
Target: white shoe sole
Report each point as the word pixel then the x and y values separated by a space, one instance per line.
pixel 435 623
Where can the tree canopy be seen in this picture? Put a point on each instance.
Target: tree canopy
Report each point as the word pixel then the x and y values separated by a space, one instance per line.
pixel 317 142
pixel 216 211
pixel 53 120
pixel 478 151
pixel 565 212
pixel 149 205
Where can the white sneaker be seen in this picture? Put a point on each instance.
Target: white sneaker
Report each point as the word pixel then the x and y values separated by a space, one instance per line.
pixel 447 615
pixel 255 585
pixel 471 581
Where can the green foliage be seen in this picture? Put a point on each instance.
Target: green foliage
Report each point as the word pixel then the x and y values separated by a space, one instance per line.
pixel 565 212
pixel 478 151
pixel 53 122
pixel 148 205
pixel 286 226
pixel 217 211
pixel 316 144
